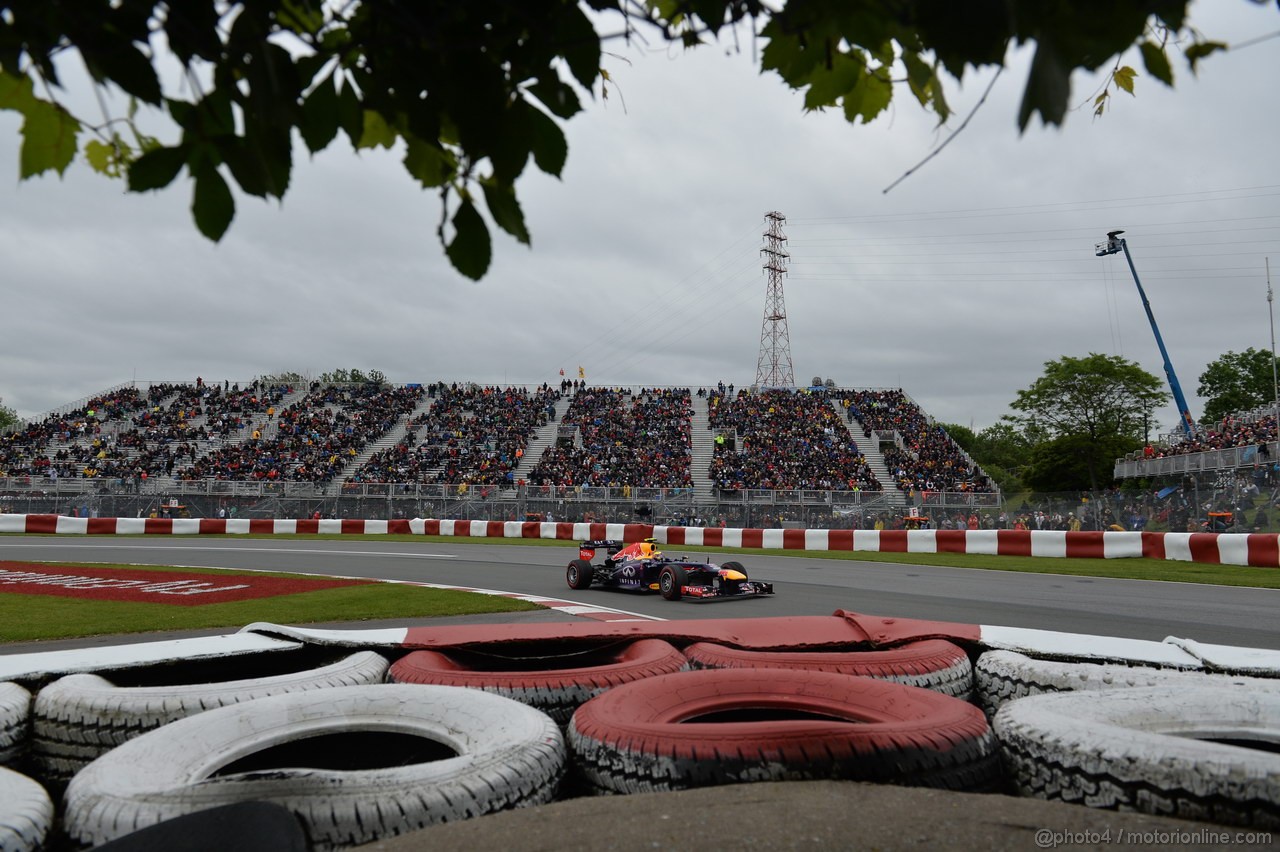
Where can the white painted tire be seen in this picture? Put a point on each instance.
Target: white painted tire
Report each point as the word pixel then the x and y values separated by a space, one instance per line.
pixel 494 754
pixel 1003 676
pixel 26 813
pixel 79 717
pixel 15 723
pixel 1159 750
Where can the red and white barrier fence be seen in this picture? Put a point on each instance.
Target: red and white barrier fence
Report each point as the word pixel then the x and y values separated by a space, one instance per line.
pixel 1255 549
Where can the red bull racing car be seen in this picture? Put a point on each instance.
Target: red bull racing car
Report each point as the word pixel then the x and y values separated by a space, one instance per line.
pixel 642 566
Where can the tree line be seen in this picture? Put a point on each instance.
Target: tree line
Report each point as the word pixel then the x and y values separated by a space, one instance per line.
pixel 1083 413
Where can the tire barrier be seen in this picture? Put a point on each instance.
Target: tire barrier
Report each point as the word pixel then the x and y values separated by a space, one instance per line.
pixel 934 664
pixel 725 726
pixel 531 679
pixel 15 723
pixel 354 764
pixel 1195 753
pixel 239 827
pixel 79 717
pixel 26 813
pixel 1002 676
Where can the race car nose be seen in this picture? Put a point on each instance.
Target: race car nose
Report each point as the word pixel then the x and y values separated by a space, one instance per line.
pixel 730 574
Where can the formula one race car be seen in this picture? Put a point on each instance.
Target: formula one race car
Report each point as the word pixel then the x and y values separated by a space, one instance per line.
pixel 642 566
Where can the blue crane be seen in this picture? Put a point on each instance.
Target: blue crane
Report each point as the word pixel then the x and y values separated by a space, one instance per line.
pixel 1116 243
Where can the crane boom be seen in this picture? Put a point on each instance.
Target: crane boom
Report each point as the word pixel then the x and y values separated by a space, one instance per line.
pixel 1116 243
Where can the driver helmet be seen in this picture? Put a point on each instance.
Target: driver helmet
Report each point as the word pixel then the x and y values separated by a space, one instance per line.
pixel 648 548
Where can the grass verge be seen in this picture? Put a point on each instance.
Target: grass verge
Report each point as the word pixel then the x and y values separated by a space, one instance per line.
pixel 26 618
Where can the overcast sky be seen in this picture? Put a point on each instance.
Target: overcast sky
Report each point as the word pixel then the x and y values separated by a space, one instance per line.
pixel 957 285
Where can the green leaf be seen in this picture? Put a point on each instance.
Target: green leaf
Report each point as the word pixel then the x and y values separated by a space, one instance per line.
pixel 99 156
pixel 111 159
pixel 550 150
pixel 869 98
pixel 505 210
pixel 156 168
pixel 319 123
pixel 212 204
pixel 1200 50
pixel 785 52
pixel 48 139
pixel 581 44
pixel 1048 88
pixel 559 98
pixel 1156 62
pixel 247 164
pixel 125 65
pixel 301 16
pixel 351 112
pixel 920 76
pixel 470 252
pixel 828 84
pixel 1124 77
pixel 377 133
pixel 430 164
pixel 17 92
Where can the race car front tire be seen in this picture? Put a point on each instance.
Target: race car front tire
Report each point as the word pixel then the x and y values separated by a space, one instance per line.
pixel 355 764
pixel 671 582
pixel 725 726
pixel 734 566
pixel 579 574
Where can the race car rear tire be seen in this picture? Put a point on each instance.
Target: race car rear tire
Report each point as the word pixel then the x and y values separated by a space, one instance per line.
pixel 26 813
pixel 726 726
pixel 934 664
pixel 534 681
pixel 1202 754
pixel 355 764
pixel 671 582
pixel 81 716
pixel 579 574
pixel 15 722
pixel 1004 676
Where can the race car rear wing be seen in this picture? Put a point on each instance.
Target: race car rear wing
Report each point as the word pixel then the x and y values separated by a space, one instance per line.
pixel 587 550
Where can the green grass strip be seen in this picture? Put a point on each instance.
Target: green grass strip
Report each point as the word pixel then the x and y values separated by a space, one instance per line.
pixel 26 618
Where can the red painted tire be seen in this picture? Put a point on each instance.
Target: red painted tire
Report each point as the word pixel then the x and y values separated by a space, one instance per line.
pixel 530 680
pixel 930 663
pixel 727 726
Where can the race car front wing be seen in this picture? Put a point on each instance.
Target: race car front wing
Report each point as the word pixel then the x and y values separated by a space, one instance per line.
pixel 744 589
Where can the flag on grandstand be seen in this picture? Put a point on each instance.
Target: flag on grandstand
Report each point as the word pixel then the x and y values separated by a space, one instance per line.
pixel 582 374
pixel 562 371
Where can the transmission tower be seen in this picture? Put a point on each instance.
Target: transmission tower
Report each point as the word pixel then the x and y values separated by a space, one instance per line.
pixel 773 369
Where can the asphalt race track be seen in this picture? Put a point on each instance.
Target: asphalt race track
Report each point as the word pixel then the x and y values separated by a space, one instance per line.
pixel 805 586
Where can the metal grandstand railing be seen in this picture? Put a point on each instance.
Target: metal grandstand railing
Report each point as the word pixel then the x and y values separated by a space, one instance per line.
pixel 1229 458
pixel 205 498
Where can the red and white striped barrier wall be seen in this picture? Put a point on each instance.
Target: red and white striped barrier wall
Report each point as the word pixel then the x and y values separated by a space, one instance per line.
pixel 1255 549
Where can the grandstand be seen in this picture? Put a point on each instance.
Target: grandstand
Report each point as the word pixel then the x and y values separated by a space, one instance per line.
pixel 817 457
